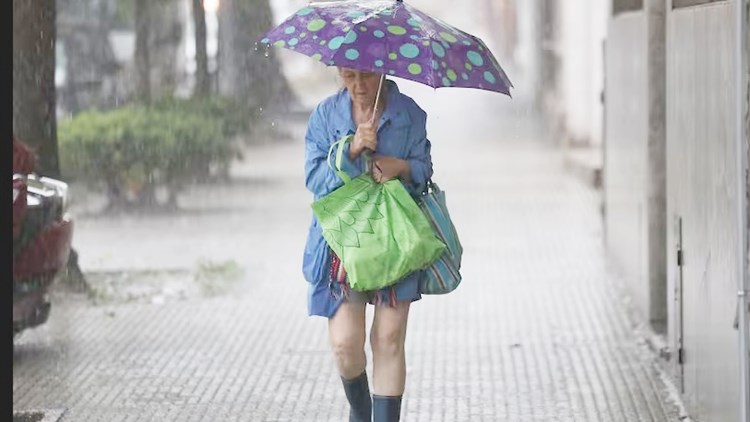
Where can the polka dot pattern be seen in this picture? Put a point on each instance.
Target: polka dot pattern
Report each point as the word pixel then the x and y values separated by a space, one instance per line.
pixel 391 38
pixel 336 42
pixel 475 58
pixel 352 54
pixel 409 51
pixel 350 37
pixel 448 37
pixel 305 11
pixel 396 30
pixel 438 49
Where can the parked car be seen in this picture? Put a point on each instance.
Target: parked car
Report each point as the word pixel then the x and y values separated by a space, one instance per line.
pixel 42 235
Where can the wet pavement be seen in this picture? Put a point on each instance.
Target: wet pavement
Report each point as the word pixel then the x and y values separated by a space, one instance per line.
pixel 536 332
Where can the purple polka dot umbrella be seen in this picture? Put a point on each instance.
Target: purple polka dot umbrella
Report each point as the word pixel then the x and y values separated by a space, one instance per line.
pixel 390 37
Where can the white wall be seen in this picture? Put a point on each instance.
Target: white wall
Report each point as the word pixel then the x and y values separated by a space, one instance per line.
pixel 528 50
pixel 626 157
pixel 701 190
pixel 600 12
pixel 582 29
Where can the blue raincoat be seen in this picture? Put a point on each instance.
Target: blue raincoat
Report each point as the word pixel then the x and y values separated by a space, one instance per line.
pixel 401 133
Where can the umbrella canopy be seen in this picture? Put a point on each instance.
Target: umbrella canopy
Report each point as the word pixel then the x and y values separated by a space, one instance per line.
pixel 391 38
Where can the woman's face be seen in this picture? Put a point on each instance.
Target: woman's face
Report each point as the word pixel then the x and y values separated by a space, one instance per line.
pixel 362 86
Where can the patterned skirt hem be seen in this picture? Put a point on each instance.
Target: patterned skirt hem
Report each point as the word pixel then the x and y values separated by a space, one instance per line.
pixel 341 290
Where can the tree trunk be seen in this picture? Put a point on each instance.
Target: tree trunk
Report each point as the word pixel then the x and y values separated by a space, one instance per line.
pixel 202 83
pixel 142 55
pixel 166 31
pixel 34 105
pixel 244 72
pixel 91 69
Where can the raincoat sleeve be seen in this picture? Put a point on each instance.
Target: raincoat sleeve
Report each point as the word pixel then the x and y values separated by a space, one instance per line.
pixel 419 158
pixel 320 178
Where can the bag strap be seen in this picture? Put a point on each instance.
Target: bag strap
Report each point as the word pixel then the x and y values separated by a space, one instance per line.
pixel 340 157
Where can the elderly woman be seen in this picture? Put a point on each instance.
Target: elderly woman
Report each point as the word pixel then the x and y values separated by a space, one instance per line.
pixel 396 137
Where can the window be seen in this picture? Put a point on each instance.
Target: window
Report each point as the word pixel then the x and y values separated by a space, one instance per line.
pixel 619 6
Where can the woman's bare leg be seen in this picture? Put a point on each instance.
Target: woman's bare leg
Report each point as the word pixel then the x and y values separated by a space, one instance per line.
pixel 387 338
pixel 346 331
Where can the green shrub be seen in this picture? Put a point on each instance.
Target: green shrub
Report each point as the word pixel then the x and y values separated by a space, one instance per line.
pixel 130 151
pixel 235 118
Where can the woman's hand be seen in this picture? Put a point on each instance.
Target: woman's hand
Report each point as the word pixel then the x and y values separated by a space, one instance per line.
pixel 366 137
pixel 385 168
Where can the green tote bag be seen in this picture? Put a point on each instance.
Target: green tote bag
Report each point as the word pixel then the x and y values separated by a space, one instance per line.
pixel 376 229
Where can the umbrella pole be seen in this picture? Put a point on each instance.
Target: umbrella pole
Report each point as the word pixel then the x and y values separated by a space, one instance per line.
pixel 368 153
pixel 377 98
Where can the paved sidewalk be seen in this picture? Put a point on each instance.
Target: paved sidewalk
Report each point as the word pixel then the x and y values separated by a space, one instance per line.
pixel 535 333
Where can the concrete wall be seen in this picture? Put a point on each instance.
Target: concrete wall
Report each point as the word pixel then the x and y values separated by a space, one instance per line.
pixel 701 190
pixel 626 153
pixel 528 51
pixel 582 28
